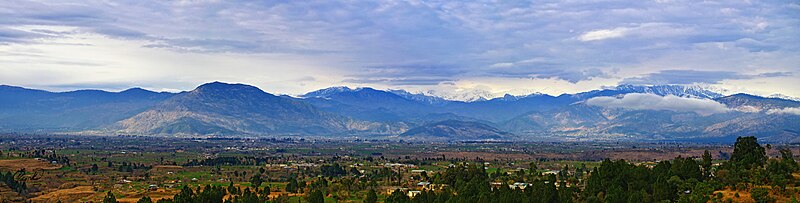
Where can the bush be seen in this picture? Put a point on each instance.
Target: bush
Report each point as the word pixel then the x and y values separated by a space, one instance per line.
pixel 761 195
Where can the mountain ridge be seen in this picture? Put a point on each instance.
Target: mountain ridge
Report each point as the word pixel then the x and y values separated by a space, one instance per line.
pixel 223 109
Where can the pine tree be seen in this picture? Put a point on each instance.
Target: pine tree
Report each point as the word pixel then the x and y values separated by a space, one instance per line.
pixel 316 197
pixel 145 199
pixel 372 197
pixel 110 198
pixel 748 153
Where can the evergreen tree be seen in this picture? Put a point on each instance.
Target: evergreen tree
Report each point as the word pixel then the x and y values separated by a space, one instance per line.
pixel 145 199
pixel 706 163
pixel 109 198
pixel 316 197
pixel 747 153
pixel 265 193
pixel 256 181
pixel 761 195
pixel 397 197
pixel 372 197
pixel 292 186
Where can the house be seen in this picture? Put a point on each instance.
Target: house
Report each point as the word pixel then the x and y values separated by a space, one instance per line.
pixel 436 187
pixel 153 187
pixel 554 172
pixel 495 184
pixel 518 185
pixel 423 184
pixel 413 193
pixel 391 190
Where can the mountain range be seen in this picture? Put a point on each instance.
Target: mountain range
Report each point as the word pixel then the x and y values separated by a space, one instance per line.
pixel 625 112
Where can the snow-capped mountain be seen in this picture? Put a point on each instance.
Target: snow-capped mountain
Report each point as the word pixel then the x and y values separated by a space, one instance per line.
pixel 419 97
pixel 327 92
pixel 464 95
pixel 783 96
pixel 677 90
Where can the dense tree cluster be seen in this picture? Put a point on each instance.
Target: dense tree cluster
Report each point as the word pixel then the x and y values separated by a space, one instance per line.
pixel 208 194
pixel 230 161
pixel 334 170
pixel 682 179
pixel 129 167
pixel 678 180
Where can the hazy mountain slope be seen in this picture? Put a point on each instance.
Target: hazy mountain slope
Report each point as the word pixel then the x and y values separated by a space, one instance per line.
pixel 368 104
pixel 500 109
pixel 456 130
pixel 755 103
pixel 24 109
pixel 578 119
pixel 567 119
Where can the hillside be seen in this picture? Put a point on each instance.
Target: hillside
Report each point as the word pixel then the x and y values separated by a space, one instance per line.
pixel 456 130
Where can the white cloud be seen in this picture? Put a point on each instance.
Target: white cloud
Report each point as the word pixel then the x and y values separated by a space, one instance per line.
pixel 501 44
pixel 502 65
pixel 795 111
pixel 638 101
pixel 603 34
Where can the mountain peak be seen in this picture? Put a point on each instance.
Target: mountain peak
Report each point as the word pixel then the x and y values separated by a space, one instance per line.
pixel 221 86
pixel 418 97
pixel 677 90
pixel 136 90
pixel 783 96
pixel 327 92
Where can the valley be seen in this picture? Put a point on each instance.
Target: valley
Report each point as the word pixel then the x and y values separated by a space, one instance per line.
pixel 57 168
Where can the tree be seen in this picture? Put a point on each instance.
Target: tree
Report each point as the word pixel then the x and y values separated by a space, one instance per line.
pixel 334 170
pixel 232 189
pixel 145 199
pixel 397 197
pixel 372 197
pixel 748 153
pixel 292 186
pixel 256 181
pixel 301 184
pixel 110 198
pixel 265 193
pixel 787 159
pixel 706 163
pixel 185 195
pixel 761 195
pixel 316 197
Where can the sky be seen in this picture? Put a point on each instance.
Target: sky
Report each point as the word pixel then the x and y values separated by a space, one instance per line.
pixel 437 47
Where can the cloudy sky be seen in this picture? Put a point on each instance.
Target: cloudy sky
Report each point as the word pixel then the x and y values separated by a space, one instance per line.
pixel 292 47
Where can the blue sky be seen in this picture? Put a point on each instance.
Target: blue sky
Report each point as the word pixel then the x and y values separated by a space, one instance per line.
pixel 440 47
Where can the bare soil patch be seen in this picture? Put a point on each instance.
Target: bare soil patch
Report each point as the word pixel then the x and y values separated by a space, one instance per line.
pixel 27 164
pixel 75 194
pixel 154 195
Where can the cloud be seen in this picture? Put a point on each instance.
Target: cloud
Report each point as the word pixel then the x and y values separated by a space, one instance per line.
pixel 638 101
pixel 683 77
pixel 603 34
pixel 791 110
pixel 571 41
pixel 8 35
